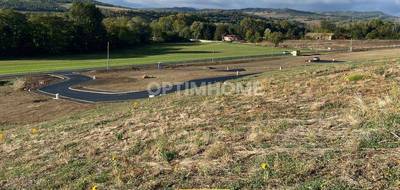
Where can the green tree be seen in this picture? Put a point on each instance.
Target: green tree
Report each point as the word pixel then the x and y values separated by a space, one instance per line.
pixel 252 29
pixel 220 31
pixel 15 36
pixel 327 26
pixel 165 29
pixel 252 36
pixel 209 31
pixel 276 38
pixel 267 33
pixel 90 33
pixel 123 31
pixel 50 34
pixel 197 30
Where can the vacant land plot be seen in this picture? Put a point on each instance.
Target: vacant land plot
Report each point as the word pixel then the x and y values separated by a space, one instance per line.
pixel 140 55
pixel 134 80
pixel 20 107
pixel 340 44
pixel 321 126
pixel 138 79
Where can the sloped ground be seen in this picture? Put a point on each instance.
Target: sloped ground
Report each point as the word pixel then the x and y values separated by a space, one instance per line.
pixel 18 106
pixel 311 127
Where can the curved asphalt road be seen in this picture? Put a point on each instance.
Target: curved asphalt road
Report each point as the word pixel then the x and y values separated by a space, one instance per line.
pixel 65 91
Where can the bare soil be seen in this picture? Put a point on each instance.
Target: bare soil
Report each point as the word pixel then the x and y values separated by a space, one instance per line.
pixel 19 106
pixel 134 80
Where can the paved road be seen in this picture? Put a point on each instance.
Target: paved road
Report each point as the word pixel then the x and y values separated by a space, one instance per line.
pixel 71 79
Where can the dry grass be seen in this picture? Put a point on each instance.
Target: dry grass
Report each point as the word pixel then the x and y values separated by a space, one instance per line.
pixel 19 84
pixel 310 128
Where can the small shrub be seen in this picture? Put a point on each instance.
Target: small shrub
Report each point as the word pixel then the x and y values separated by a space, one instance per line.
pixel 355 77
pixel 4 83
pixel 168 155
pixel 119 136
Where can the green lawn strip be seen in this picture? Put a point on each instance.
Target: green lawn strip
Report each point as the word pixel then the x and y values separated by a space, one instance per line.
pixel 140 55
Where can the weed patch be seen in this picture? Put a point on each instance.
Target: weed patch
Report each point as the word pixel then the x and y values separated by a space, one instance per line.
pixel 355 77
pixel 379 139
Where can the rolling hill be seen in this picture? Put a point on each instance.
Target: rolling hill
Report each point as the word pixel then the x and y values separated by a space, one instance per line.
pixel 302 16
pixel 306 16
pixel 44 5
pixel 299 15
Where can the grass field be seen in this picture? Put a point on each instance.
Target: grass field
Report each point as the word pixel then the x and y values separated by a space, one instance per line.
pixel 140 55
pixel 320 126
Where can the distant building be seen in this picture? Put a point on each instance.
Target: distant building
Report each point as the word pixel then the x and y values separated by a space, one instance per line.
pixel 295 53
pixel 319 36
pixel 231 38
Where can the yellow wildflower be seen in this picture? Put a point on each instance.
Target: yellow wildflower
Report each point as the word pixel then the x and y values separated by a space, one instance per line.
pixel 135 105
pixel 34 131
pixel 264 166
pixel 94 187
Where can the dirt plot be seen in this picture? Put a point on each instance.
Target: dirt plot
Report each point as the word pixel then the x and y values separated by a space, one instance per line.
pixel 139 79
pixel 18 106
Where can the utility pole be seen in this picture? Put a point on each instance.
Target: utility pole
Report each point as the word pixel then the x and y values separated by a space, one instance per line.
pixel 108 56
pixel 351 44
pixel 351 33
pixel 213 55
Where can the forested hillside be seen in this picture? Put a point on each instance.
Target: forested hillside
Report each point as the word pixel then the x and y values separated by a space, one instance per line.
pixel 307 16
pixel 220 14
pixel 42 5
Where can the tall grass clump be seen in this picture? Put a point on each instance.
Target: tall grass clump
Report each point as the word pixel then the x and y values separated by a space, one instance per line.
pixel 19 84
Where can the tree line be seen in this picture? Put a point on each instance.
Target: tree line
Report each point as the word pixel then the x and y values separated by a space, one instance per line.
pixel 84 29
pixel 43 5
pixel 361 30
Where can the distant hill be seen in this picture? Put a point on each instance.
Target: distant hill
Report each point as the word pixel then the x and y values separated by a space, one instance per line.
pixel 44 5
pixel 175 9
pixel 302 16
pixel 359 15
pixel 306 16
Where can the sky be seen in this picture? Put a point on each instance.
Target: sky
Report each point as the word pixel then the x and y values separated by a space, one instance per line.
pixel 387 6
